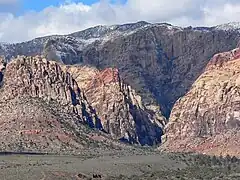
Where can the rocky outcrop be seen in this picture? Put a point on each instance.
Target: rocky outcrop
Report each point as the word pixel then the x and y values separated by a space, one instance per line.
pixel 121 110
pixel 44 109
pixel 161 62
pixel 29 124
pixel 82 74
pixel 219 60
pixel 37 77
pixel 207 118
pixel 119 107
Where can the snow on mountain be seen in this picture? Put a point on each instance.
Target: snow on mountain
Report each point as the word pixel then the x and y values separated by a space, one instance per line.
pixel 73 44
pixel 3 46
pixel 229 26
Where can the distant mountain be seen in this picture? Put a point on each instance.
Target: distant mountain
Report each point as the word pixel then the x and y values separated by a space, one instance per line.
pixel 160 62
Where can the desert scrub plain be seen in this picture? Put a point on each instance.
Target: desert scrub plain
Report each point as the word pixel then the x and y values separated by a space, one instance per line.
pixel 135 163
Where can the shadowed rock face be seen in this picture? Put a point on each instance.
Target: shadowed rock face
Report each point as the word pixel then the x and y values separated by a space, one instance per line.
pixel 160 63
pixel 122 111
pixel 2 69
pixel 119 108
pixel 1 77
pixel 207 118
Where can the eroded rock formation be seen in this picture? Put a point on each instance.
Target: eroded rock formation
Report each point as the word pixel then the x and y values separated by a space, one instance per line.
pixel 119 107
pixel 122 111
pixel 207 118
pixel 44 109
pixel 160 61
pixel 37 77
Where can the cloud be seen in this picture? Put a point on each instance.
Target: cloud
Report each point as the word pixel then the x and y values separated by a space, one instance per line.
pixel 72 16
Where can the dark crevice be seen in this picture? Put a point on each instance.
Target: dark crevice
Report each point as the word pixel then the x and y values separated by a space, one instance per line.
pixel 1 79
pixel 143 136
pixel 8 153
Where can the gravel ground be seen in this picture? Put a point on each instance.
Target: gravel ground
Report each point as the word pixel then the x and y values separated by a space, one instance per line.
pixel 117 165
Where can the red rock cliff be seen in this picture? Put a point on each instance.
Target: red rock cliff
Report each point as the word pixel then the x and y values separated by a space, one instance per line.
pixel 207 118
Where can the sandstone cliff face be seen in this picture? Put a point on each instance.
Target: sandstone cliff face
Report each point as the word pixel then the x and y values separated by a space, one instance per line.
pixel 55 110
pixel 119 107
pixel 37 77
pixel 32 125
pixel 207 118
pixel 82 74
pixel 43 109
pixel 122 111
pixel 160 63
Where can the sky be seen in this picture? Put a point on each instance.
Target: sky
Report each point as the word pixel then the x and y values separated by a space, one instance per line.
pixel 22 20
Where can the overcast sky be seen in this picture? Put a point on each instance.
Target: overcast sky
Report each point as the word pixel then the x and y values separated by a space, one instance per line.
pixel 22 20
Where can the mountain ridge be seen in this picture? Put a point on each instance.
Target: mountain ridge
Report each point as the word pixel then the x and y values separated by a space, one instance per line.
pixel 157 63
pixel 104 29
pixel 158 44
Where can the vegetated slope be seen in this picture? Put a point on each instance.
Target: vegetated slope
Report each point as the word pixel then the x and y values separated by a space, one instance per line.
pixel 207 118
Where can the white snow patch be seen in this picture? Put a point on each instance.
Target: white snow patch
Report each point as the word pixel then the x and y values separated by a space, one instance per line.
pixel 229 26
pixel 88 41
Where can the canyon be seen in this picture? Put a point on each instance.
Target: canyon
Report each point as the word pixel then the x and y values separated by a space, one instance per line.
pixel 140 83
